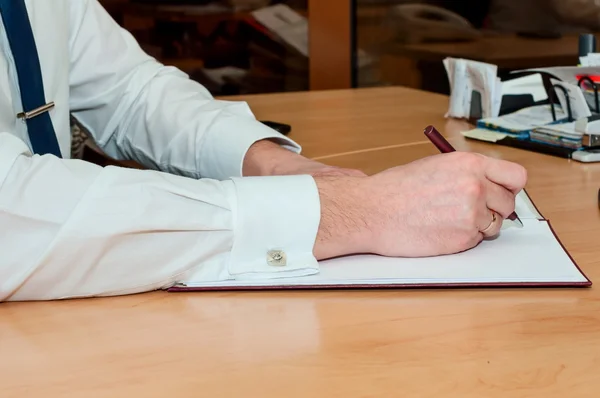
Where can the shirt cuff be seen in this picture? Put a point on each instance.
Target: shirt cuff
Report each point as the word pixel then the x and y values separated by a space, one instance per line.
pixel 275 227
pixel 276 220
pixel 229 139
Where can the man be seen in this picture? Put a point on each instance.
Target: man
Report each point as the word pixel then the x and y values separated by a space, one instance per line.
pixel 73 229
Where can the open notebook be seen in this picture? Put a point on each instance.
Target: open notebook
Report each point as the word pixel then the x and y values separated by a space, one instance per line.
pixel 527 256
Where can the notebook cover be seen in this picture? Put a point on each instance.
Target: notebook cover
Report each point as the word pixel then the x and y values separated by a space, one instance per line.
pixel 586 283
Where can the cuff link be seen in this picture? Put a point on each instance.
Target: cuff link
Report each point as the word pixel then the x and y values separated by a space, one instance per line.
pixel 276 258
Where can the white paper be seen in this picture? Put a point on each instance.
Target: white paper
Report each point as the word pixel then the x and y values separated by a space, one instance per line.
pixel 584 126
pixel 592 59
pixel 579 107
pixel 497 97
pixel 483 78
pixel 530 84
pixel 461 88
pixel 524 119
pixel 518 255
pixel 466 76
pixel 530 254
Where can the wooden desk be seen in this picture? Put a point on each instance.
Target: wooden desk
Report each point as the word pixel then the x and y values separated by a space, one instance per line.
pixel 509 52
pixel 345 121
pixel 506 51
pixel 450 343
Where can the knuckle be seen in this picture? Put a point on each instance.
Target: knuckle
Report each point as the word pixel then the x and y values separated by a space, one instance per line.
pixel 473 188
pixel 470 160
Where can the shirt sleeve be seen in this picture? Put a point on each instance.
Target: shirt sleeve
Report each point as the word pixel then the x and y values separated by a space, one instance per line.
pixel 139 109
pixel 74 229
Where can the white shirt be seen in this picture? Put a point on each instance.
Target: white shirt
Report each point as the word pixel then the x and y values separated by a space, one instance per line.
pixel 73 229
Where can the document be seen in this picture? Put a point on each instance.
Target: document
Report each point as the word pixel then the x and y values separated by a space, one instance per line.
pixel 527 256
pixel 524 120
pixel 564 135
pixel 465 77
pixel 530 84
pixel 574 97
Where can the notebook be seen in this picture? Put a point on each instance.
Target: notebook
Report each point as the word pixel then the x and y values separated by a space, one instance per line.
pixel 531 255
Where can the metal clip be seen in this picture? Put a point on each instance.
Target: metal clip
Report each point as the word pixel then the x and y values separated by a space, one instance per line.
pixel 36 111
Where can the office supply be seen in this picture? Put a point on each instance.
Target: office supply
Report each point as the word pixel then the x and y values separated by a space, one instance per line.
pixel 518 257
pixel 445 147
pixel 592 59
pixel 587 156
pixel 282 128
pixel 529 84
pixel 505 139
pixel 521 122
pixel 590 85
pixel 467 78
pixel 569 74
pixel 571 98
pixel 562 135
pixel 590 129
pixel 587 44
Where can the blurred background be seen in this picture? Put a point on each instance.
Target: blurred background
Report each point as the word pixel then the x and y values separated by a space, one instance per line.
pixel 261 46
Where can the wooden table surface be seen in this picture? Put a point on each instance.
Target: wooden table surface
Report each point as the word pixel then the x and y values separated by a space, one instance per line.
pixel 425 343
pixel 506 51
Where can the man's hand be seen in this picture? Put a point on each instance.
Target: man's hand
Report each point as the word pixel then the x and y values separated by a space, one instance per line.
pixel 266 158
pixel 434 206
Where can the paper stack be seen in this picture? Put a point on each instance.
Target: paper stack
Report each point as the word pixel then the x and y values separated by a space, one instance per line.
pixel 465 78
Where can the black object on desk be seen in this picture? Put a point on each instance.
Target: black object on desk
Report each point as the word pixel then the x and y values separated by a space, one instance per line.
pixel 514 102
pixel 279 127
pixel 539 147
pixel 587 44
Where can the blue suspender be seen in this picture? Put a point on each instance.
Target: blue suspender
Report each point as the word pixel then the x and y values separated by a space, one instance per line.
pixel 35 109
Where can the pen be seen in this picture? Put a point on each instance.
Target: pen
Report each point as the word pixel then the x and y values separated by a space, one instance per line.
pixel 444 147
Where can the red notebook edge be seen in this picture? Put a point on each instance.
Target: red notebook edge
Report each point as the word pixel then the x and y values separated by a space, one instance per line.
pixel 405 286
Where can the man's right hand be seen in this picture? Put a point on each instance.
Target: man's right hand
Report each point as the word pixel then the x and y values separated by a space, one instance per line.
pixel 433 206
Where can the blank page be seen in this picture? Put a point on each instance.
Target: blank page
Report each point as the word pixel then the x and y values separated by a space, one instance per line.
pixel 528 255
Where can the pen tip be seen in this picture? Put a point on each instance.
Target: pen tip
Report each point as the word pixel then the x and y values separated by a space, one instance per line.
pixel 519 222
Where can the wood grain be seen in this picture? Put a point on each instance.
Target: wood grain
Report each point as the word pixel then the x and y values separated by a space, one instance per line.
pixel 425 343
pixel 336 121
pixel 506 51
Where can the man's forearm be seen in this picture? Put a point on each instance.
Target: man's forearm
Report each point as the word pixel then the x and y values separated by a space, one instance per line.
pixel 344 226
pixel 263 158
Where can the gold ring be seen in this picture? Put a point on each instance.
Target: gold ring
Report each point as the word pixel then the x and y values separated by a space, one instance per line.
pixel 491 223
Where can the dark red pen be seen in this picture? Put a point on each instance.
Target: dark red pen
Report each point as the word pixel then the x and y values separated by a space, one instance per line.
pixel 444 147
